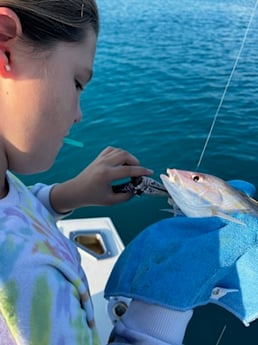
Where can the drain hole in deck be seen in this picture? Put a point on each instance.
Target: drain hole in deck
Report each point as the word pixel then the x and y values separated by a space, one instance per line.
pixel 92 242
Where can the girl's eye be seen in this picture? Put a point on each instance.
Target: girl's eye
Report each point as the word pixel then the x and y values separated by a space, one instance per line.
pixel 78 85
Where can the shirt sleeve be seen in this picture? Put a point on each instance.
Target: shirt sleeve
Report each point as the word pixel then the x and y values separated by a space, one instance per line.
pixel 42 193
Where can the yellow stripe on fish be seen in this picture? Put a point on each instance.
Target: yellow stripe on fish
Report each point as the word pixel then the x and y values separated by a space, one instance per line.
pixel 202 195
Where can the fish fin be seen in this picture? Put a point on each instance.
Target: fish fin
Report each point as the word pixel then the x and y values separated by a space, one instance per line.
pixel 227 217
pixel 172 203
pixel 253 200
pixel 175 209
pixel 170 210
pixel 174 213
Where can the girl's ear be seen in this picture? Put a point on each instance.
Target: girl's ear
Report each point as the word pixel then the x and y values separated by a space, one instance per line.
pixel 10 30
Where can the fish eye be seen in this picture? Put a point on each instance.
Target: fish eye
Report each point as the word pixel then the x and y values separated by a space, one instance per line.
pixel 196 178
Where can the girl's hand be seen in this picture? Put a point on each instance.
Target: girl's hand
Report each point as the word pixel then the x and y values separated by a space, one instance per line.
pixel 93 186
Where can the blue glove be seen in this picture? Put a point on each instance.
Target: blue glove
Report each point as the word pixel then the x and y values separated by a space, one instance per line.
pixel 243 186
pixel 180 263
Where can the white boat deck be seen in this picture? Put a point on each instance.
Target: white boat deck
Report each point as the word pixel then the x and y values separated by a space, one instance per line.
pixel 99 245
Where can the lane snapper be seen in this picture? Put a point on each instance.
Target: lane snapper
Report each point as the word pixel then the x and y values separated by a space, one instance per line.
pixel 202 195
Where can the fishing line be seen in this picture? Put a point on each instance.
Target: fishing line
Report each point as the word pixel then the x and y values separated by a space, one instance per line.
pixel 221 335
pixel 227 86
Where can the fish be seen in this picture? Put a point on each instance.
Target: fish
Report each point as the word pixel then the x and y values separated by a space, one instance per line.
pixel 203 195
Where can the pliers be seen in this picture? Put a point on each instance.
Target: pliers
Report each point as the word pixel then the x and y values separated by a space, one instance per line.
pixel 141 185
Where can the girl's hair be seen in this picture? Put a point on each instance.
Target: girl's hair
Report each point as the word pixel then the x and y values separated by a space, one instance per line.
pixel 45 22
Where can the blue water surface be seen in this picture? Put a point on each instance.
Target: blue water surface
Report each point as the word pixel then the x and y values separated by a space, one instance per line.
pixel 160 72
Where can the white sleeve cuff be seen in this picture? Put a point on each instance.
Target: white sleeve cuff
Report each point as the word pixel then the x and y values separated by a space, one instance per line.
pixel 160 323
pixel 42 192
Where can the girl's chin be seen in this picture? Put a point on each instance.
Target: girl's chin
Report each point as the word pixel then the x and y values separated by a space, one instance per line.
pixel 37 167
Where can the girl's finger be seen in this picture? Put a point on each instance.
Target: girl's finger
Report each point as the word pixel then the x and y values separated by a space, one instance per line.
pixel 125 171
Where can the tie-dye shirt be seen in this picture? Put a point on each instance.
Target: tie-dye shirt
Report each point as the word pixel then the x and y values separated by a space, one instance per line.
pixel 44 295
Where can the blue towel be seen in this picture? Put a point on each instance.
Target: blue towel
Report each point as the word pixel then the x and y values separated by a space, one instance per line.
pixel 181 263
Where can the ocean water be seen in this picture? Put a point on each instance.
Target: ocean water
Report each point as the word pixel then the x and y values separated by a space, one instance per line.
pixel 160 72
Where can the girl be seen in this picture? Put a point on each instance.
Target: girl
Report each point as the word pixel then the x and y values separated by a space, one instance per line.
pixel 47 50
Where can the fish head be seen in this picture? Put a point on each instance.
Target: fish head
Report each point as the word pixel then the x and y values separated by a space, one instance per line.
pixel 196 194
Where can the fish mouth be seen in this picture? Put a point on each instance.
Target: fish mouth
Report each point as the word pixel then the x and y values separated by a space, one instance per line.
pixel 171 180
pixel 174 183
pixel 172 176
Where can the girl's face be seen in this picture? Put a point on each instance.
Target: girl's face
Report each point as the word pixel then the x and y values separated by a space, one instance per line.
pixel 40 102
